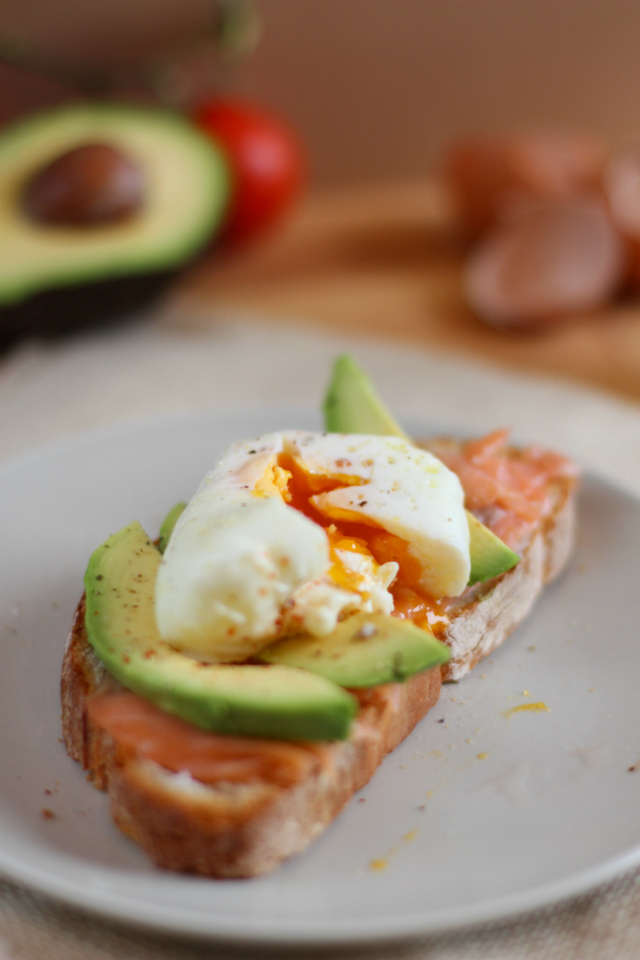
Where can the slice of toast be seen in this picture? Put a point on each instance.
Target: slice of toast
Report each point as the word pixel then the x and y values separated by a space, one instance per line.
pixel 228 830
pixel 243 830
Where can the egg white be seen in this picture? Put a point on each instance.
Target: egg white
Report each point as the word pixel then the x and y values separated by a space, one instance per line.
pixel 243 566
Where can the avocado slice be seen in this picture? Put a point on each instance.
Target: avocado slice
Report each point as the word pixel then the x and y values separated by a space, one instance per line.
pixel 489 555
pixel 279 702
pixel 351 405
pixel 169 522
pixel 364 650
pixel 185 195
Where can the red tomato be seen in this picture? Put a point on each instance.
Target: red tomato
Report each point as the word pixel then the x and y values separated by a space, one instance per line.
pixel 267 160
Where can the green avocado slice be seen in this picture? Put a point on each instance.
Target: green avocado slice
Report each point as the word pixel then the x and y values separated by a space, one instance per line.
pixel 167 525
pixel 351 405
pixel 280 702
pixel 364 650
pixel 489 555
pixel 187 188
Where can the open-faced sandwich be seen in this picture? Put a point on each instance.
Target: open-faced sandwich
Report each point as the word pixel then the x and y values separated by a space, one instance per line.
pixel 235 683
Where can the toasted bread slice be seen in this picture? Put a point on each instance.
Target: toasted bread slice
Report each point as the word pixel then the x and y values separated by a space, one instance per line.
pixel 243 830
pixel 228 830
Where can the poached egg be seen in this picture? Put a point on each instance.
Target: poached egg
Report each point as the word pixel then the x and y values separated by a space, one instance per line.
pixel 277 540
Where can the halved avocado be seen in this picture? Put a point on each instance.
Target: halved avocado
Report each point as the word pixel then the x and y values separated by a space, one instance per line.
pixel 186 186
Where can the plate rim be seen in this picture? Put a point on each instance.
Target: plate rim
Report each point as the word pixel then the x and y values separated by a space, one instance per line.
pixel 304 933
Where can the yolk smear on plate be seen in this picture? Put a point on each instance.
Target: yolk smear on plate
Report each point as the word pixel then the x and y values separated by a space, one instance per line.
pixel 381 863
pixel 538 707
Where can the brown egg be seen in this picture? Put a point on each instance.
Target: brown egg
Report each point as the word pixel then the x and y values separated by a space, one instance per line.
pixel 553 261
pixel 93 184
pixel 491 177
pixel 622 190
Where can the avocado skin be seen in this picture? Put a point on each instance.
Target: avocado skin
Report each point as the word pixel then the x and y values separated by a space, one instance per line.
pixel 351 405
pixel 277 702
pixel 60 311
pixel 363 651
pixel 167 525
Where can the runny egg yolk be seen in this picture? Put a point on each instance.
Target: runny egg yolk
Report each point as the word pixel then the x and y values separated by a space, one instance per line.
pixel 274 482
pixel 292 531
pixel 287 477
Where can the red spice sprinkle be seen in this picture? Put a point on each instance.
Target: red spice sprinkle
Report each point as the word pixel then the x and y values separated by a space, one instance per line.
pixel 48 814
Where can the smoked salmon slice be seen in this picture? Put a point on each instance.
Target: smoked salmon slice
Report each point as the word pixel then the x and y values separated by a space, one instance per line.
pixel 507 489
pixel 143 728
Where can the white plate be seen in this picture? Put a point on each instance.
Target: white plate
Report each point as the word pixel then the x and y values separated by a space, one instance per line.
pixel 473 818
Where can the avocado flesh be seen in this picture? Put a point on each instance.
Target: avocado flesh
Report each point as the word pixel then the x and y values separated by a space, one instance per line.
pixel 489 555
pixel 188 186
pixel 364 650
pixel 278 702
pixel 167 525
pixel 351 405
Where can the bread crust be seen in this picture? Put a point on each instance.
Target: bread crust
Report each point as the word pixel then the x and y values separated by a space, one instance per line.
pixel 231 830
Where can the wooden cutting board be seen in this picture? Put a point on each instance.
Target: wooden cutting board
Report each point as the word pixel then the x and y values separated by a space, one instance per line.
pixel 385 260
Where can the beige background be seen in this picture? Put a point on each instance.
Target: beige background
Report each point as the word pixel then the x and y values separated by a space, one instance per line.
pixel 378 86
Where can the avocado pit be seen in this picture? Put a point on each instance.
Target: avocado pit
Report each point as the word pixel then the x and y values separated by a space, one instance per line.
pixel 93 184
